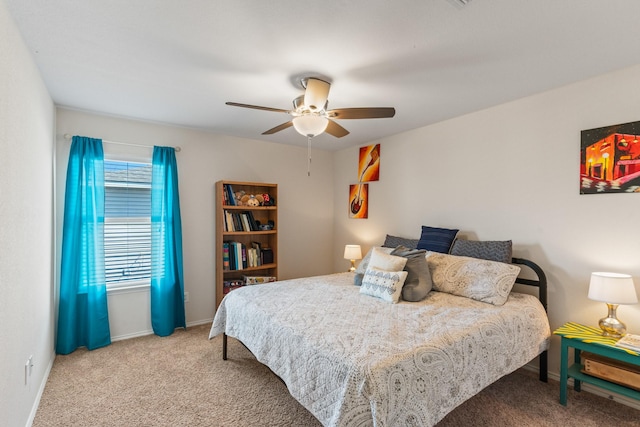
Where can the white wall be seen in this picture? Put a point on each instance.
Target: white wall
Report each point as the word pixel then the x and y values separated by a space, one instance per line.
pixel 511 172
pixel 305 203
pixel 27 117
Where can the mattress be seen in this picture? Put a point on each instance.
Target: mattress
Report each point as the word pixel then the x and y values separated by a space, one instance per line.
pixel 355 360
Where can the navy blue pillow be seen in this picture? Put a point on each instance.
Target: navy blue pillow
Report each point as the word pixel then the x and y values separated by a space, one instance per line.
pixel 437 239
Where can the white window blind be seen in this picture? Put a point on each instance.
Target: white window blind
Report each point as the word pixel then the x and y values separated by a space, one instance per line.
pixel 127 225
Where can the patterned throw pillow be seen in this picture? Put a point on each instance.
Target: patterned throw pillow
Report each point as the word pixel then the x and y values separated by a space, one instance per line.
pixel 437 239
pixel 478 279
pixel 386 285
pixel 492 250
pixel 394 242
pixel 362 267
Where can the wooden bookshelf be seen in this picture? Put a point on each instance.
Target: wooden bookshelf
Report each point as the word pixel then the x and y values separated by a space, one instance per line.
pixel 226 213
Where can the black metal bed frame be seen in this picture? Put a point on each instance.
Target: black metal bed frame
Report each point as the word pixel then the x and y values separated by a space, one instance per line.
pixel 541 284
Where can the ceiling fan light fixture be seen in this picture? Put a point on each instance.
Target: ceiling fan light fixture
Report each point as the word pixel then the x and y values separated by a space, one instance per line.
pixel 310 125
pixel 316 94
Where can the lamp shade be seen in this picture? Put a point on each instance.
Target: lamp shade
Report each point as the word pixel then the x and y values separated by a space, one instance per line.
pixel 612 288
pixel 310 124
pixel 352 252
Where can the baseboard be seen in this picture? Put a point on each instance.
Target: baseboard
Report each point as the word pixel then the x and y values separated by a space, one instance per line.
pixel 200 322
pixel 150 332
pixel 43 383
pixel 590 389
pixel 131 335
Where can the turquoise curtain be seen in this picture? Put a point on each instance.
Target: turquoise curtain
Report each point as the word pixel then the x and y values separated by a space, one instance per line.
pixel 83 319
pixel 167 284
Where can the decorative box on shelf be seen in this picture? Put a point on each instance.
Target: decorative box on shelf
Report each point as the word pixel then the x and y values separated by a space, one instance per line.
pixel 256 280
pixel 615 371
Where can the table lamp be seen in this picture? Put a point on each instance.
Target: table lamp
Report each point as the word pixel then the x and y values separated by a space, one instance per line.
pixel 352 252
pixel 612 289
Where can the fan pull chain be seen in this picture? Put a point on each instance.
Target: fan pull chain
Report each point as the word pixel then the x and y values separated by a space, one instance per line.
pixel 308 155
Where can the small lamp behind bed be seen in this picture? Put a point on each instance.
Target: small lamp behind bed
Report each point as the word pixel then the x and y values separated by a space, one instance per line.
pixel 352 252
pixel 612 289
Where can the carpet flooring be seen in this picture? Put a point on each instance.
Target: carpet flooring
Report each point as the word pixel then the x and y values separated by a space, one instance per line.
pixel 181 380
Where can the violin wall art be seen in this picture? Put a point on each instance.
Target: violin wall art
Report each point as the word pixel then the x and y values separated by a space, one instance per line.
pixel 368 171
pixel 369 163
pixel 359 201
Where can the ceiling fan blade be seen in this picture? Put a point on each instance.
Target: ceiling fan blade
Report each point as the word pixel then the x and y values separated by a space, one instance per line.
pixel 278 128
pixel 336 130
pixel 362 113
pixel 257 107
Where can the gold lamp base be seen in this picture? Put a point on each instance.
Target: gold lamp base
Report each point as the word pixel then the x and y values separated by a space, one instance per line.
pixel 353 266
pixel 610 325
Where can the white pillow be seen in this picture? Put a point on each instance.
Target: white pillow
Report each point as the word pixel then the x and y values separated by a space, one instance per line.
pixel 384 261
pixel 362 267
pixel 478 279
pixel 386 285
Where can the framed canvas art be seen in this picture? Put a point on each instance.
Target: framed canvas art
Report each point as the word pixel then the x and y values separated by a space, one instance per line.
pixel 369 163
pixel 359 200
pixel 610 159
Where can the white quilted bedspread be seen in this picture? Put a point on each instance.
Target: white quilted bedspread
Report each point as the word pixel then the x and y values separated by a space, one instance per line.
pixel 355 360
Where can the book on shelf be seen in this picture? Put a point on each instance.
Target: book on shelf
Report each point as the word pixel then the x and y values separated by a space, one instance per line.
pixel 245 259
pixel 226 265
pixel 245 222
pixel 238 256
pixel 239 221
pixel 231 197
pixel 228 221
pixel 233 265
pixel 238 251
pixel 256 246
pixel 235 255
pixel 630 342
pixel 253 225
pixel 225 197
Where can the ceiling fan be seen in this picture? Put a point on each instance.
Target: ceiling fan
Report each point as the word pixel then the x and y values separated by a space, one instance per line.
pixel 310 114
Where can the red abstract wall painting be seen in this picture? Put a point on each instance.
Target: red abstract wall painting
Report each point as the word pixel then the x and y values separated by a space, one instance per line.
pixel 610 159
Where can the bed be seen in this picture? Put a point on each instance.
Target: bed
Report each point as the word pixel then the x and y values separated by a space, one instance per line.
pixel 354 360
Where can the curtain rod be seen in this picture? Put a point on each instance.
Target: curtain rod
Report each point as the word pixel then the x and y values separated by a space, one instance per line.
pixel 68 138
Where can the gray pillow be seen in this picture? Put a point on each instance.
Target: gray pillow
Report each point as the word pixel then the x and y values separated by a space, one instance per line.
pixel 394 242
pixel 362 267
pixel 418 283
pixel 492 250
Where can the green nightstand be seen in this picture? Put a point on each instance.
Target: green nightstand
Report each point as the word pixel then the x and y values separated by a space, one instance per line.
pixel 590 339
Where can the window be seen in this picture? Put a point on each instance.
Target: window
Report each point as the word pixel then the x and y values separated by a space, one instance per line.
pixel 127 223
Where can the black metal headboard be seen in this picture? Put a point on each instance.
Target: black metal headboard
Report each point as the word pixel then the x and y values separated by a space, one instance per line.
pixel 541 284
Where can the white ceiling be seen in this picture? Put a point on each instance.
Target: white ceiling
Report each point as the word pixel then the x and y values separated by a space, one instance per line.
pixel 177 62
